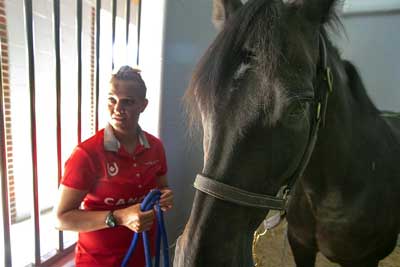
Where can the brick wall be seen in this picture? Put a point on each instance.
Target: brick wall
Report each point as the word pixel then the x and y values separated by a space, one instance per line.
pixel 7 108
pixel 92 68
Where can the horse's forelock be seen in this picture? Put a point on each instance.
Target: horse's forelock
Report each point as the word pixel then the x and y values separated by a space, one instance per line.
pixel 252 25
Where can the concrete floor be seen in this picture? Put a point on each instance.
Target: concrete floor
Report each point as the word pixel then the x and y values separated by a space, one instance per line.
pixel 273 250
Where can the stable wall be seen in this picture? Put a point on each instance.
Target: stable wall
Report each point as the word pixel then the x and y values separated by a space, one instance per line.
pixel 187 33
pixel 372 44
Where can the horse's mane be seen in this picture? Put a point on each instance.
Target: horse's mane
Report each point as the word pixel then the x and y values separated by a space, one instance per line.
pixel 354 81
pixel 357 88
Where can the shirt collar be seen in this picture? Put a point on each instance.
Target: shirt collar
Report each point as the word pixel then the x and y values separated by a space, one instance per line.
pixel 111 143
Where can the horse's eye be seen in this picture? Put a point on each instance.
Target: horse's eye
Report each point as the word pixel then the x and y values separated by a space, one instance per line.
pixel 297 108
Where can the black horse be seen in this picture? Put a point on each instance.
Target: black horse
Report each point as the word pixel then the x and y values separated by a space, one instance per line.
pixel 261 92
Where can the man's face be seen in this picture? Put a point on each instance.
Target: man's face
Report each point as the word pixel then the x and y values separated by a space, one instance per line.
pixel 125 103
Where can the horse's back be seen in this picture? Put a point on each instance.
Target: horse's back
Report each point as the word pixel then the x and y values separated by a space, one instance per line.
pixel 393 121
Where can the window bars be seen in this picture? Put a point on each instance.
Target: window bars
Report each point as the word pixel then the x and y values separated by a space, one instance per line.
pixel 39 260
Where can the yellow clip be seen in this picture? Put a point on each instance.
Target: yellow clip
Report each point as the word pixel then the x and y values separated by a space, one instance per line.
pixel 329 78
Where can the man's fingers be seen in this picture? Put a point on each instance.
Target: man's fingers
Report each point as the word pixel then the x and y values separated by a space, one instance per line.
pixel 147 216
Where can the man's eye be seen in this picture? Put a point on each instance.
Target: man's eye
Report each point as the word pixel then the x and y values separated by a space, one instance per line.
pixel 127 102
pixel 111 100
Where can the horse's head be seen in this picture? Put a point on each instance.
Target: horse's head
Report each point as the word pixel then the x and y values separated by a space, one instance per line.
pixel 252 90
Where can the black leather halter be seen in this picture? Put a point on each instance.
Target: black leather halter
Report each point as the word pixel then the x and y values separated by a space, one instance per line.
pixel 244 198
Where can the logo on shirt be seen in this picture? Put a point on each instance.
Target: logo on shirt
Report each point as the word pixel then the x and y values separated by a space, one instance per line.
pixel 111 201
pixel 112 168
pixel 152 162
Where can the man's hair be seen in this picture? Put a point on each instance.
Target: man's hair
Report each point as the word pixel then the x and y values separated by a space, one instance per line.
pixel 130 75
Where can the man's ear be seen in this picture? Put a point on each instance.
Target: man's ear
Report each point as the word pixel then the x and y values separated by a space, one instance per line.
pixel 222 10
pixel 318 11
pixel 145 102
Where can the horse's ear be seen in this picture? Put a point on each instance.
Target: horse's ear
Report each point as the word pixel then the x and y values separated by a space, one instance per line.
pixel 222 10
pixel 315 10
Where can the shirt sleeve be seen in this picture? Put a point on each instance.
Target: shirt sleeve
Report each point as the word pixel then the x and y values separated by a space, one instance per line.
pixel 79 171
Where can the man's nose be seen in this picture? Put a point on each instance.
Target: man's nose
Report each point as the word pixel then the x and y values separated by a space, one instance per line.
pixel 118 107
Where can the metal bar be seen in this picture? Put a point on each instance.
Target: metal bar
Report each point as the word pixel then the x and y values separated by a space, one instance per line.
pixel 98 7
pixel 4 177
pixel 127 20
pixel 114 15
pixel 31 74
pixel 56 28
pixel 79 50
pixel 138 30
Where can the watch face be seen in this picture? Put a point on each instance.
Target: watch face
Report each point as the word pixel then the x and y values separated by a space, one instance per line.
pixel 110 220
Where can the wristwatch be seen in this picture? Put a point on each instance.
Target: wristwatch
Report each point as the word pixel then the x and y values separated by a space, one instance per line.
pixel 111 221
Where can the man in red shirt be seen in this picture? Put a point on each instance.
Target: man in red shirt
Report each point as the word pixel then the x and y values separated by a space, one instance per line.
pixel 108 175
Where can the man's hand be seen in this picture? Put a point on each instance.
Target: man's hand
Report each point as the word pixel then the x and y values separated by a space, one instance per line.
pixel 166 199
pixel 135 219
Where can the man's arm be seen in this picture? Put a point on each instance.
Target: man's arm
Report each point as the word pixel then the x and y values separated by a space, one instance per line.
pixel 70 217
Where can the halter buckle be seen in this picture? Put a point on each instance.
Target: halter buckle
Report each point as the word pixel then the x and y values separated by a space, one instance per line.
pixel 329 79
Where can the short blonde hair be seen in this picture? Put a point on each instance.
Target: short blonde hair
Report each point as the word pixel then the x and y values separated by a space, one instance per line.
pixel 131 75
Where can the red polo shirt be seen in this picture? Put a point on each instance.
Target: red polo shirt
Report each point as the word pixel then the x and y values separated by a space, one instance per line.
pixel 114 179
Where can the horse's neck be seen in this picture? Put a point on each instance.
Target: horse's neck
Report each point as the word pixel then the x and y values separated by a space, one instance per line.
pixel 342 142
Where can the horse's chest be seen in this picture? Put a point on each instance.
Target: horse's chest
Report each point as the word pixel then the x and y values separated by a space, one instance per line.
pixel 344 228
pixel 336 215
pixel 344 238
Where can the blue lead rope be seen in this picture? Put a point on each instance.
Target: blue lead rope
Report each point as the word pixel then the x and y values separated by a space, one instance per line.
pixel 151 200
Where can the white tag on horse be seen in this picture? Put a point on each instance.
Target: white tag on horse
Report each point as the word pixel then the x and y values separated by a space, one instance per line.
pixel 273 221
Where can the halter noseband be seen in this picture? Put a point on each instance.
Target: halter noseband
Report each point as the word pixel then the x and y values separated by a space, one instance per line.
pixel 241 197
